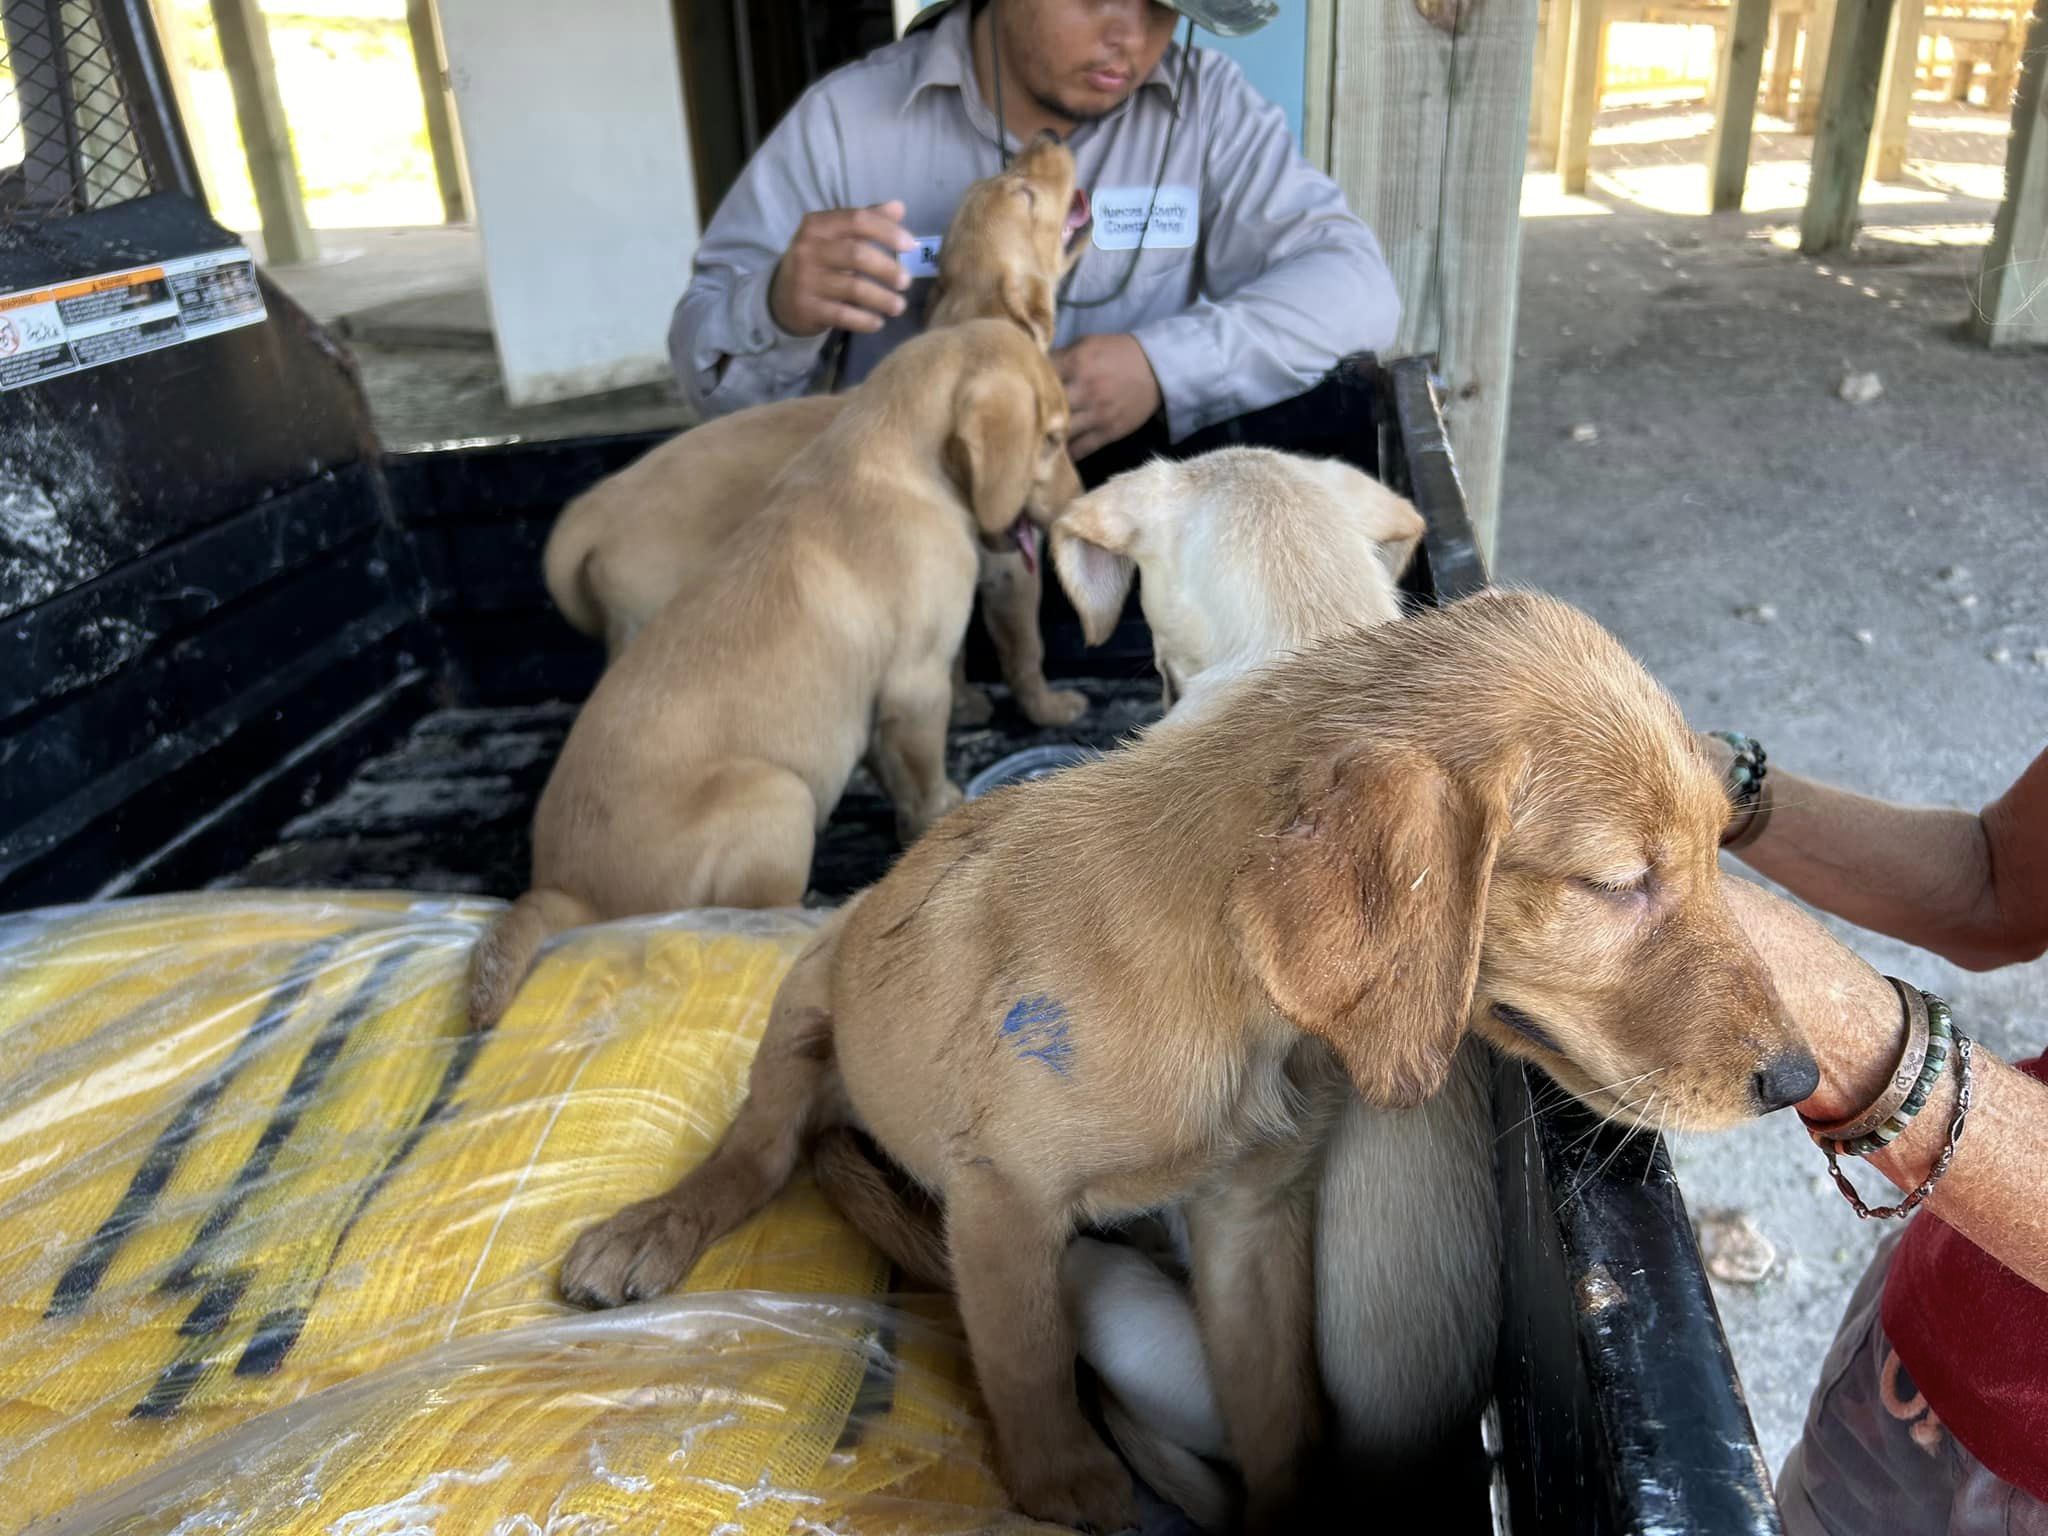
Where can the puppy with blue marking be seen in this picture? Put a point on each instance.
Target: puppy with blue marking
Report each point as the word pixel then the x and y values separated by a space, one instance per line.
pixel 1361 855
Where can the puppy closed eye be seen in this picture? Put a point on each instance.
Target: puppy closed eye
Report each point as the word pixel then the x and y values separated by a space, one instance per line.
pixel 1616 888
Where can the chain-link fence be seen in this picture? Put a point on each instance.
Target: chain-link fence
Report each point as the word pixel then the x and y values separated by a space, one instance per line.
pixel 69 134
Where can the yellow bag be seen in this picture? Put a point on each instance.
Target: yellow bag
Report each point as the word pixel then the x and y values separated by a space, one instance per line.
pixel 278 1242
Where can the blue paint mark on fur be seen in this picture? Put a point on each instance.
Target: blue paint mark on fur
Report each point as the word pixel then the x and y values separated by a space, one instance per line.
pixel 1036 1028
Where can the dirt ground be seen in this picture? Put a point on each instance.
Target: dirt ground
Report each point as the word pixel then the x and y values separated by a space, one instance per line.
pixel 1860 586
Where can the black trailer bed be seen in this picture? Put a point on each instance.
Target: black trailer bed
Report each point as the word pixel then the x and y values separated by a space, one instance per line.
pixel 449 808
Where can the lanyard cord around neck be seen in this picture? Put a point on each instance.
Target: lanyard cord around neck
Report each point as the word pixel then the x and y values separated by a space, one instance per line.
pixel 1187 53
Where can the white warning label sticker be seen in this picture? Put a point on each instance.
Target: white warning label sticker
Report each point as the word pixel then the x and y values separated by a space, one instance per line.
pixel 70 326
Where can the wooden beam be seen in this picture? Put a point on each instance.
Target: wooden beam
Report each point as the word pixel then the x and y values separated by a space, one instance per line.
pixel 432 69
pixel 1785 28
pixel 1554 70
pixel 1847 110
pixel 2010 296
pixel 1741 72
pixel 1895 104
pixel 1813 67
pixel 1429 134
pixel 266 136
pixel 1586 64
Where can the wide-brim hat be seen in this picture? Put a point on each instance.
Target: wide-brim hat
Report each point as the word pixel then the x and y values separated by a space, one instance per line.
pixel 1226 18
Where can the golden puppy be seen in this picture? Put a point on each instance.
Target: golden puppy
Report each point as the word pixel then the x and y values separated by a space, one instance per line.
pixel 702 766
pixel 1131 985
pixel 624 548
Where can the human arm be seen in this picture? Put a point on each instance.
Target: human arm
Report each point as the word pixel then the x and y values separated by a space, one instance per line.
pixel 1972 888
pixel 1291 279
pixel 781 265
pixel 1853 1024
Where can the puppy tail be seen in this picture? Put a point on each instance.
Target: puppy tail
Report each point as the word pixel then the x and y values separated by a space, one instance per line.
pixel 564 564
pixel 897 1217
pixel 504 954
pixel 1172 1471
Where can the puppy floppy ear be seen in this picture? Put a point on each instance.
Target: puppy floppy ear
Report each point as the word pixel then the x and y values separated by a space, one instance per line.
pixel 1396 527
pixel 1362 918
pixel 994 445
pixel 1091 544
pixel 1027 299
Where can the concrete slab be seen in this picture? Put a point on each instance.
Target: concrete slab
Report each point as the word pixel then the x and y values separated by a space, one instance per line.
pixel 455 318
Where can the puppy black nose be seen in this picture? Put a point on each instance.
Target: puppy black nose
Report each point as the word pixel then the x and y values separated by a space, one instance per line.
pixel 1786 1079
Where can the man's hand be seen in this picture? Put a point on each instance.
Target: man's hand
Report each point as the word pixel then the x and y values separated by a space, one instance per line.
pixel 1111 390
pixel 841 271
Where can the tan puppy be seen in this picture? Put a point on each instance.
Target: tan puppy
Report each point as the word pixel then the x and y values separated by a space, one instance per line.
pixel 1246 554
pixel 1125 986
pixel 712 751
pixel 624 548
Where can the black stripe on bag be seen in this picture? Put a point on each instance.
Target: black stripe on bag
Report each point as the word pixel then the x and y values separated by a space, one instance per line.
pixel 78 1283
pixel 304 1088
pixel 876 1394
pixel 216 1305
pixel 215 1311
pixel 280 1329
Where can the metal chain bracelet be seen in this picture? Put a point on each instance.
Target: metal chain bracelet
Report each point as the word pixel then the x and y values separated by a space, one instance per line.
pixel 1946 1043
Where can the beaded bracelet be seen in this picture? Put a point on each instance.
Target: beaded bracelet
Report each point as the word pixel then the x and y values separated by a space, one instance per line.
pixel 1944 1043
pixel 1749 790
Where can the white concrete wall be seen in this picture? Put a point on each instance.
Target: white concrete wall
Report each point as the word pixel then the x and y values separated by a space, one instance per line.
pixel 579 167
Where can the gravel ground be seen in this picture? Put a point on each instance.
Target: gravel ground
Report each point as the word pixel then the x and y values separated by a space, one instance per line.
pixel 1860 586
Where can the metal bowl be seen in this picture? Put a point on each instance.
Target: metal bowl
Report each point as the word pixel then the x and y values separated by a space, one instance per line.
pixel 1031 763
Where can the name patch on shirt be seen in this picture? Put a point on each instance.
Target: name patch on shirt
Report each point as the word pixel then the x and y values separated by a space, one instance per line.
pixel 922 259
pixel 1120 217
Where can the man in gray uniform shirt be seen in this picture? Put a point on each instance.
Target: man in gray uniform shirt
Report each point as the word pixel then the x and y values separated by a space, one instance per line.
pixel 1244 282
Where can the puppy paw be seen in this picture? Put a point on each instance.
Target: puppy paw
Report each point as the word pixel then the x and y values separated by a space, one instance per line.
pixel 971 706
pixel 641 1252
pixel 1049 707
pixel 1087 1488
pixel 911 825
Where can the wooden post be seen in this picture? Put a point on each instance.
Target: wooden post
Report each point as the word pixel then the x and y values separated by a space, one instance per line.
pixel 2010 297
pixel 1784 55
pixel 1554 71
pixel 433 73
pixel 1895 104
pixel 1319 71
pixel 1813 68
pixel 1848 108
pixel 1742 66
pixel 1963 73
pixel 1428 137
pixel 266 136
pixel 1587 57
pixel 2005 62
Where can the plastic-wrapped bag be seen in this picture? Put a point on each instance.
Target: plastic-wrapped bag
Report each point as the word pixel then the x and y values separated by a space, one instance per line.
pixel 278 1242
